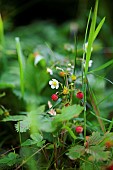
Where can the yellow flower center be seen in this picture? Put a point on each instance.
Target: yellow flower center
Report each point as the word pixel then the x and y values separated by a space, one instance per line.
pixel 54 83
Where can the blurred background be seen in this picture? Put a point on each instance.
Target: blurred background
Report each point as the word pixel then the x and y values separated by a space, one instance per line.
pixel 24 12
pixel 20 13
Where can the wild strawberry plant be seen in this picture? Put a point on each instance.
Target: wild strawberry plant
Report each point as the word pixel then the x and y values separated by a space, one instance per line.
pixel 60 126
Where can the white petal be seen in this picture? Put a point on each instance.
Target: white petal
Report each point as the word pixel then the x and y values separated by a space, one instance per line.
pixel 49 71
pixel 58 68
pixel 50 82
pixel 52 86
pixel 90 63
pixel 55 80
pixel 57 86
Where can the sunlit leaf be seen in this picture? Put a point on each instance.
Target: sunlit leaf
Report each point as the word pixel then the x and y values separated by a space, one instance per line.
pixel 75 152
pixel 68 113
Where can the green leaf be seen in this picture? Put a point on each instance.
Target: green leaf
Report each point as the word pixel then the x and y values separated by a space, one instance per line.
pixel 39 122
pixel 14 118
pixel 98 28
pixel 1 31
pixel 22 126
pixel 39 110
pixel 75 152
pixel 68 113
pixel 89 17
pixel 95 139
pixel 98 153
pixel 88 166
pixel 9 159
pixel 36 137
pixel 47 125
pixel 28 142
pixel 4 85
pixel 32 76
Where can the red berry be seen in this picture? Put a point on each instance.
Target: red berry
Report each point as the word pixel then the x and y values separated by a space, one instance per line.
pixel 110 167
pixel 54 97
pixel 80 95
pixel 79 129
pixel 108 144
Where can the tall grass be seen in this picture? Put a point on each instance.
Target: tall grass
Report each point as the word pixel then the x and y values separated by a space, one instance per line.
pixel 21 64
pixel 93 32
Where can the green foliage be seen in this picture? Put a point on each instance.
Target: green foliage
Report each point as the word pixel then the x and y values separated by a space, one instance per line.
pixel 14 118
pixel 98 153
pixel 95 139
pixel 92 34
pixel 76 152
pixel 9 160
pixel 68 113
pixel 93 149
pixel 36 138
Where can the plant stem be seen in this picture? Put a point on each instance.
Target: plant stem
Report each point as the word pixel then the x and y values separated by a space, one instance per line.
pixel 55 156
pixel 24 161
pixel 85 101
pixel 110 126
pixel 20 134
pixel 96 109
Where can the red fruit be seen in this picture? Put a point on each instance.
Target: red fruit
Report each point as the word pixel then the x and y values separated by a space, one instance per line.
pixel 79 129
pixel 110 167
pixel 54 97
pixel 108 144
pixel 80 95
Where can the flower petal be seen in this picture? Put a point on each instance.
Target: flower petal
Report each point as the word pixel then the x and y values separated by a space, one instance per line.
pixel 52 86
pixel 50 82
pixel 57 86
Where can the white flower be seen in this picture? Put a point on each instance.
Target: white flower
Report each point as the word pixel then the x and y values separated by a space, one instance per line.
pixel 90 63
pixel 49 71
pixel 85 46
pixel 68 69
pixel 58 68
pixel 54 84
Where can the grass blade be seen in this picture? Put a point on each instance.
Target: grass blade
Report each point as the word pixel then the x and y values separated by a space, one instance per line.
pixel 91 36
pixel 98 28
pixel 89 17
pixel 102 66
pixel 21 64
pixel 1 31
